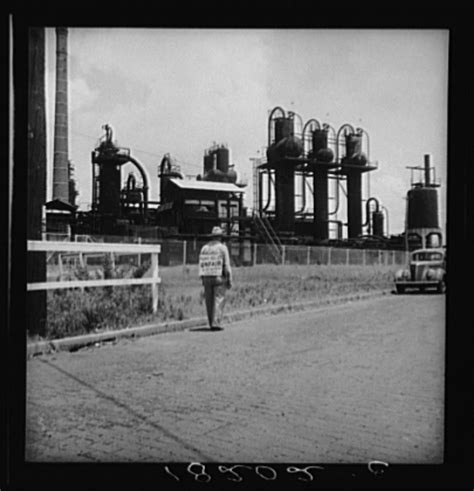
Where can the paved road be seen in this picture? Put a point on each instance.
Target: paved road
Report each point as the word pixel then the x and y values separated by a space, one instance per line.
pixel 345 384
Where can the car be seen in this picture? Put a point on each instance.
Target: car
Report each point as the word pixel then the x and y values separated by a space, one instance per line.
pixel 426 269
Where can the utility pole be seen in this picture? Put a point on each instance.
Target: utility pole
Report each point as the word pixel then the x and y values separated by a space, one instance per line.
pixel 36 171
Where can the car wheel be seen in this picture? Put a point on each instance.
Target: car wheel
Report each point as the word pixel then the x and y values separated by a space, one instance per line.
pixel 400 288
pixel 441 288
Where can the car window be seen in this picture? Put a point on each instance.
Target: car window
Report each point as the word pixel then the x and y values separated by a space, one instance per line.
pixel 427 256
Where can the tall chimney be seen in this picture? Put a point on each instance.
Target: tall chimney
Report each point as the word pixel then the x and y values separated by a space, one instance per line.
pixel 60 163
pixel 427 169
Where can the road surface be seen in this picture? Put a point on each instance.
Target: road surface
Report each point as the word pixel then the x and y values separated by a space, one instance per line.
pixel 349 383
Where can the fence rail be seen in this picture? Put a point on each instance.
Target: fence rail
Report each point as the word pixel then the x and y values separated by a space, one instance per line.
pixel 99 247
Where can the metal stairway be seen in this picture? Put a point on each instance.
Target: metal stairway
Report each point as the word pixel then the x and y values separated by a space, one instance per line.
pixel 266 230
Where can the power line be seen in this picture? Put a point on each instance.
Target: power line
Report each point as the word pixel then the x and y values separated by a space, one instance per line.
pixel 154 154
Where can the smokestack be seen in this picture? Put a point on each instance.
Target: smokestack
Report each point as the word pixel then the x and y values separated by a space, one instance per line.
pixel 427 169
pixel 60 163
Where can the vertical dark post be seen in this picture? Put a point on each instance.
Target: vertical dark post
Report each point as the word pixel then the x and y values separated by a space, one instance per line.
pixel 36 185
pixel 354 204
pixel 320 187
pixel 427 169
pixel 285 196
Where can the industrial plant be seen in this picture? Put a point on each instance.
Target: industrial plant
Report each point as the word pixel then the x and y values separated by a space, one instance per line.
pixel 307 189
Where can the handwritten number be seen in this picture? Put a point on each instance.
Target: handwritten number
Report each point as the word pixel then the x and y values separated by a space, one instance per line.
pixel 223 468
pixel 262 476
pixel 169 472
pixel 377 472
pixel 203 473
pixel 305 470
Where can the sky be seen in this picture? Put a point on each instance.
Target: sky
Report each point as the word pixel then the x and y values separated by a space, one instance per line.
pixel 178 91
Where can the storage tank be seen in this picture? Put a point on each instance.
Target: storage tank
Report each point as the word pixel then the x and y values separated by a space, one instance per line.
pixel 377 223
pixel 109 189
pixel 354 154
pixel 283 128
pixel 319 149
pixel 208 162
pixel 222 156
pixel 422 208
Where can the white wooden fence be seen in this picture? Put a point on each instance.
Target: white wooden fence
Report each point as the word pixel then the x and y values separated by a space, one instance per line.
pixel 99 247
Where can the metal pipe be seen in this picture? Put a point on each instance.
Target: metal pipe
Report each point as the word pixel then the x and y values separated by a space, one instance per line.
pixel 337 197
pixel 270 119
pixel 386 218
pixel 338 136
pixel 269 190
pixel 427 169
pixel 305 128
pixel 292 114
pixel 367 210
pixel 303 193
pixel 131 182
pixel 144 180
pixel 361 130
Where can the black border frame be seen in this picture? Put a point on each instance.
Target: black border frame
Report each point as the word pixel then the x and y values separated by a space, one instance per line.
pixel 459 410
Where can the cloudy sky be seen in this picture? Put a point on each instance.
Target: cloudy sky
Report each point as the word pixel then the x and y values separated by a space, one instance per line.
pixel 179 90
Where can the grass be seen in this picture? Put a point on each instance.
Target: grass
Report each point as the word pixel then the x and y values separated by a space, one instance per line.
pixel 73 312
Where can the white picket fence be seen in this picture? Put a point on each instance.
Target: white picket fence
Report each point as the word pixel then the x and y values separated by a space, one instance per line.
pixel 99 247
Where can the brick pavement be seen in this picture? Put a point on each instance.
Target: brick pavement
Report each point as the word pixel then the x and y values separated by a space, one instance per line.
pixel 344 384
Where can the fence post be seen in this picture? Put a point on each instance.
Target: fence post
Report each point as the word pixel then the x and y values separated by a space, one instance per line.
pixel 283 254
pixel 139 255
pixel 329 256
pixel 364 260
pixel 378 253
pixel 308 253
pixel 254 259
pixel 154 286
pixel 184 253
pixel 60 264
pixel 347 256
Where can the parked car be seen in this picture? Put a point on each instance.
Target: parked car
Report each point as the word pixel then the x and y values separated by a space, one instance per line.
pixel 426 269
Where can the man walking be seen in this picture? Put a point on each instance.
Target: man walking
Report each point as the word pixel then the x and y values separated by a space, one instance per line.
pixel 216 274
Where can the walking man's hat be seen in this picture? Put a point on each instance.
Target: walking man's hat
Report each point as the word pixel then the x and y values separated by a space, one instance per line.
pixel 217 232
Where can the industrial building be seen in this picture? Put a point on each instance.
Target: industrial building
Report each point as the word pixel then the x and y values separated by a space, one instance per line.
pixel 308 189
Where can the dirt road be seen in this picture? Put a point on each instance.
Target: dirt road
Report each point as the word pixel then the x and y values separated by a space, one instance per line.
pixel 350 383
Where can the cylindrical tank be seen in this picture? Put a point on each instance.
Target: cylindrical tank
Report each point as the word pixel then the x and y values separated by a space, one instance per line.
pixel 208 162
pixel 422 208
pixel 320 150
pixel 109 189
pixel 353 145
pixel 283 128
pixel 354 153
pixel 377 223
pixel 319 139
pixel 222 159
pixel 354 204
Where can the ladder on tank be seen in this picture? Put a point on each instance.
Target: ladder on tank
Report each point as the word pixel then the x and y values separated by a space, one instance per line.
pixel 266 230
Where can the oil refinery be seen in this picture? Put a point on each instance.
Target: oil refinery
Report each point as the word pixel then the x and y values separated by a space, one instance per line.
pixel 307 189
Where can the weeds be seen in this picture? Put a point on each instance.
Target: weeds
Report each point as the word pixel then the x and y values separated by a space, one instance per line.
pixel 74 312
